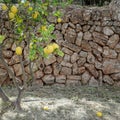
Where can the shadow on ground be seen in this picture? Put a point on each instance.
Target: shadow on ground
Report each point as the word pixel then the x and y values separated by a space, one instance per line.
pixel 66 103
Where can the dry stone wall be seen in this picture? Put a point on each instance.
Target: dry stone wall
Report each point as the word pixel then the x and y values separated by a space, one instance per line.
pixel 90 39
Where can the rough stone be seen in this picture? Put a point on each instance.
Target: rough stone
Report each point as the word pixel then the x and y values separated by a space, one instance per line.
pixel 86 28
pixel 109 53
pixel 66 71
pixel 81 70
pixel 113 40
pixel 7 53
pixel 107 79
pixel 74 57
pixel 78 28
pixel 81 61
pixel 48 70
pixel 60 79
pixel 64 27
pixel 97 54
pixel 79 38
pixel 73 77
pixel 39 74
pixel 71 46
pixel 116 76
pixel 67 51
pixel 90 58
pixel 14 59
pixel 100 38
pixel 48 79
pixel 17 69
pixel 70 35
pixel 117 48
pixel 85 78
pixel 86 15
pixel 91 68
pixel 111 66
pixel 93 82
pixel 83 54
pixel 86 46
pixel 75 69
pixel 66 58
pixel 50 60
pixel 56 68
pixel 108 31
pixel 66 64
pixel 87 36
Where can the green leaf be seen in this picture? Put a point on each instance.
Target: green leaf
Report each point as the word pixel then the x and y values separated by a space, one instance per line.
pixel 2 37
pixel 59 52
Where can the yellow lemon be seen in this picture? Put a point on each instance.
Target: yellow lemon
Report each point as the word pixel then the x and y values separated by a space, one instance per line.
pixel 11 15
pixel 35 15
pixel 14 9
pixel 48 50
pixel 45 108
pixel 43 28
pixel 59 20
pixel 30 8
pixel 55 46
pixel 31 45
pixel 4 7
pixel 99 114
pixel 18 50
pixel 26 4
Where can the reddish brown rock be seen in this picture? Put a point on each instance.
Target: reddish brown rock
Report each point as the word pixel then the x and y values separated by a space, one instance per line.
pixel 90 58
pixel 79 39
pixel 50 60
pixel 39 74
pixel 81 70
pixel 75 69
pixel 87 36
pixel 48 79
pixel 100 38
pixel 67 51
pixel 107 79
pixel 7 53
pixel 74 77
pixel 60 79
pixel 81 61
pixel 113 40
pixel 116 76
pixel 70 35
pixel 111 66
pixel 66 71
pixel 108 31
pixel 85 78
pixel 86 46
pixel 91 68
pixel 66 64
pixel 74 57
pixel 56 68
pixel 48 70
pixel 17 69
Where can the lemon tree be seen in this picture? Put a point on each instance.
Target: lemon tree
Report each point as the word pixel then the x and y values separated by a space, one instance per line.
pixel 29 23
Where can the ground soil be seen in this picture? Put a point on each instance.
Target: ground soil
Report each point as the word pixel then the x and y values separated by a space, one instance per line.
pixel 65 103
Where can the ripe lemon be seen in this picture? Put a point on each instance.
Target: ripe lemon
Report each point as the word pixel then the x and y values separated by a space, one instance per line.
pixel 30 8
pixel 31 45
pixel 55 46
pixel 18 50
pixel 35 15
pixel 11 15
pixel 14 9
pixel 26 4
pixel 99 114
pixel 4 7
pixel 43 28
pixel 59 20
pixel 45 108
pixel 48 50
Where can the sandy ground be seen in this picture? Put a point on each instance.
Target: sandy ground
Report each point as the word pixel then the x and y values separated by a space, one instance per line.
pixel 66 103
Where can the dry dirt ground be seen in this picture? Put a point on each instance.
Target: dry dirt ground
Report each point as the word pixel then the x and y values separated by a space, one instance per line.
pixel 65 103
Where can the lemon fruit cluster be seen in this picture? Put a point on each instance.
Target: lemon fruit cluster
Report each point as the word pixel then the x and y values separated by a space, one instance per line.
pixel 35 15
pixel 18 50
pixel 4 7
pixel 12 12
pixel 49 49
